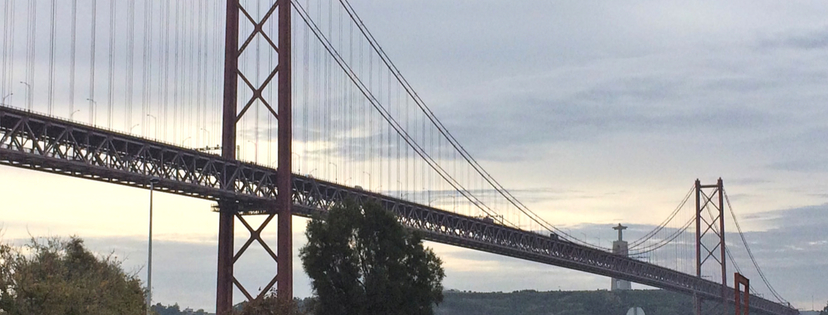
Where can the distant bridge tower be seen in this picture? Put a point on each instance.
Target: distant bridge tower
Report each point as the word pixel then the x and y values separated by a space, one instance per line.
pixel 619 247
pixel 710 239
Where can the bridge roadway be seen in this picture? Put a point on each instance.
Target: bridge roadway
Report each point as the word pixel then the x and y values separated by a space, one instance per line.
pixel 48 144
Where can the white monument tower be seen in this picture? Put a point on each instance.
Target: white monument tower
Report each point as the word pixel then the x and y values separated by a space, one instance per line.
pixel 619 247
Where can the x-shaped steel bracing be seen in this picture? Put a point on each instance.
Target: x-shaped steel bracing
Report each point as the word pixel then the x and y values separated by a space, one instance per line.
pixel 255 235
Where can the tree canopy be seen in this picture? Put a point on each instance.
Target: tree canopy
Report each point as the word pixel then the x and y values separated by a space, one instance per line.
pixel 62 277
pixel 174 309
pixel 270 304
pixel 361 260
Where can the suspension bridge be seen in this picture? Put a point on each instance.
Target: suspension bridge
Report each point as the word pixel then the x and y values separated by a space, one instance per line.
pixel 283 108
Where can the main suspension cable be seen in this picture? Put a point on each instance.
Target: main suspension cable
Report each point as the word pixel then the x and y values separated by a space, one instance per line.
pixel 750 253
pixel 664 223
pixel 452 140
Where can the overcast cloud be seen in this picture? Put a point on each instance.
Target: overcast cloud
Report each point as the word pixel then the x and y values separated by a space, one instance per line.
pixel 593 112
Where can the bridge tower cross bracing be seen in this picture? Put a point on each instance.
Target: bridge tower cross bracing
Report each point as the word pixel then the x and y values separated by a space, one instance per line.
pixel 707 197
pixel 281 207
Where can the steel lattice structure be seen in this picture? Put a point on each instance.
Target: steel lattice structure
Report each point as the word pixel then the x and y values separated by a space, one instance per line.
pixel 279 10
pixel 38 142
pixel 714 226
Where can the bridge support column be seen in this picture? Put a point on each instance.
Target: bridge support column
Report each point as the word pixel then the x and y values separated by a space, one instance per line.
pixel 284 276
pixel 228 210
pixel 224 277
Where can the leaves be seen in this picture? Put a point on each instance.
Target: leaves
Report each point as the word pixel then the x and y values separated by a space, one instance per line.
pixel 270 304
pixel 63 277
pixel 362 261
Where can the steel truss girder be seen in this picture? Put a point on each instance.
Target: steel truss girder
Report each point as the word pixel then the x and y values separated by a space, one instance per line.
pixel 48 144
pixel 311 195
pixel 34 141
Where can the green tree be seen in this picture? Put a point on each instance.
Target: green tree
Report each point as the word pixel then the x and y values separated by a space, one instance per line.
pixel 269 304
pixel 166 310
pixel 824 310
pixel 60 277
pixel 361 260
pixel 174 309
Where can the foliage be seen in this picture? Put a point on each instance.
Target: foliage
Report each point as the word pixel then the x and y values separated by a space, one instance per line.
pixel 362 261
pixel 55 276
pixel 159 309
pixel 601 302
pixel 269 304
pixel 824 310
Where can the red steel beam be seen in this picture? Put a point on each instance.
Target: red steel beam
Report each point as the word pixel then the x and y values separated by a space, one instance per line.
pixel 284 276
pixel 224 276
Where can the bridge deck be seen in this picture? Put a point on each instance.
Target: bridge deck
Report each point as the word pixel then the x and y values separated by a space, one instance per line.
pixel 49 144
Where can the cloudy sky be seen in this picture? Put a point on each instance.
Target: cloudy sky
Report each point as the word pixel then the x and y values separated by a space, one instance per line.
pixel 594 112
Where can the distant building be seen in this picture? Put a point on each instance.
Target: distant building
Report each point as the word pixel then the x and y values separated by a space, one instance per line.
pixel 619 247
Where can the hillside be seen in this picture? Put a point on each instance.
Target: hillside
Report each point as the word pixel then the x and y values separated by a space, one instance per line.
pixel 654 302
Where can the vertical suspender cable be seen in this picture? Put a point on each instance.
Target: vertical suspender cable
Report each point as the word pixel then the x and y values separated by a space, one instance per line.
pixel 269 139
pixel 257 104
pixel 189 78
pixel 5 54
pixel 176 86
pixel 371 117
pixel 340 112
pixel 130 45
pixel 30 56
pixel 72 52
pixel 305 99
pixel 145 67
pixel 51 88
pixel 91 98
pixel 165 67
pixel 350 105
pixel 184 95
pixel 200 91
pixel 214 74
pixel 8 24
pixel 111 95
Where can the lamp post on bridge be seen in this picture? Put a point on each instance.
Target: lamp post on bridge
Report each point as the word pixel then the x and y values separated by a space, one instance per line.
pixel 369 179
pixel 93 110
pixel 153 181
pixel 208 134
pixel 299 159
pixel 73 113
pixel 154 125
pixel 3 101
